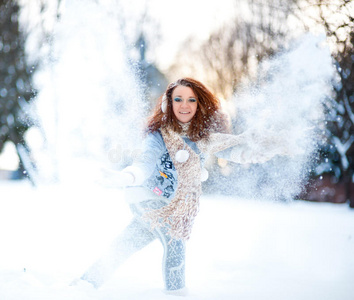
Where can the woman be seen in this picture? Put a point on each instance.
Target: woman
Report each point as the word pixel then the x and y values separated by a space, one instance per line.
pixel 164 183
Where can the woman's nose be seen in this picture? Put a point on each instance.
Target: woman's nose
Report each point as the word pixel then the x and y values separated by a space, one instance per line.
pixel 184 103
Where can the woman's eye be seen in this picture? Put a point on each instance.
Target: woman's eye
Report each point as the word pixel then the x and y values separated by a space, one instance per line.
pixel 192 100
pixel 178 99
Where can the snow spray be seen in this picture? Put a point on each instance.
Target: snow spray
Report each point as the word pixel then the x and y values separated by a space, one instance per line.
pixel 89 106
pixel 89 102
pixel 287 100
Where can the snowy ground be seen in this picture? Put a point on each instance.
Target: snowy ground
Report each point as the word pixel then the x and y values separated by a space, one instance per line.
pixel 239 249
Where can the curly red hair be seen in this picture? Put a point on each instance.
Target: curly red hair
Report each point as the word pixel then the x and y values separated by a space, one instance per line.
pixel 208 117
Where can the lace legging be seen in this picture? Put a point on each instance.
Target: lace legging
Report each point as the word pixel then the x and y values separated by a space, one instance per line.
pixel 135 237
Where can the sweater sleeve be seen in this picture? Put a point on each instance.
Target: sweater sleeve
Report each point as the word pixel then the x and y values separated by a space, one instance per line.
pixel 255 148
pixel 242 154
pixel 152 148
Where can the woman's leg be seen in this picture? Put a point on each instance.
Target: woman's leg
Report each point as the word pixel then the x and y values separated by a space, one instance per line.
pixel 135 237
pixel 173 263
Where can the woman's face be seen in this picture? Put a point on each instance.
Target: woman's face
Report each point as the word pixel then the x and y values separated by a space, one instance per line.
pixel 184 103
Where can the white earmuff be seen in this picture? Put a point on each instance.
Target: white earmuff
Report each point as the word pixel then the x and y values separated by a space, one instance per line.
pixel 164 104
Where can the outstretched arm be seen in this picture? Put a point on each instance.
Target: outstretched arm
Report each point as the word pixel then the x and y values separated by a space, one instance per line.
pixel 142 167
pixel 257 148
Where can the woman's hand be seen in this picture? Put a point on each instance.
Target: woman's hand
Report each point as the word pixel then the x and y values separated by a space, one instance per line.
pixel 112 178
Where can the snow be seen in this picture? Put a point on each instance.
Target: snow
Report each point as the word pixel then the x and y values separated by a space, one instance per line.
pixel 284 108
pixel 239 249
pixel 86 91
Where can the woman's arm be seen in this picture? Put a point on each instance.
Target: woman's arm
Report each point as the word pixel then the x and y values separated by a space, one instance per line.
pixel 257 148
pixel 243 154
pixel 144 164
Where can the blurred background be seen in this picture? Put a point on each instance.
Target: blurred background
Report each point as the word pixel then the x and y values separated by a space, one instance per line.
pixel 221 43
